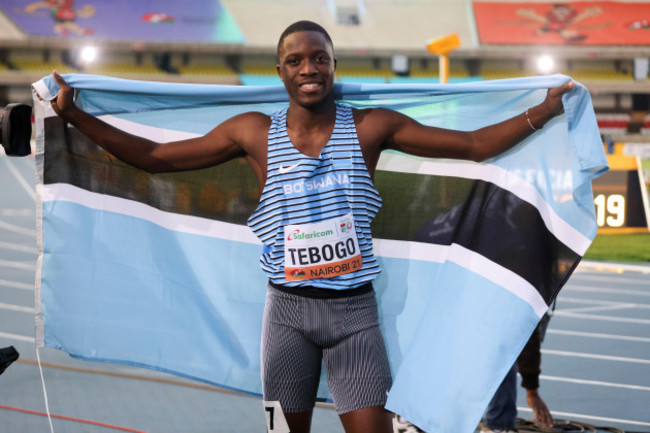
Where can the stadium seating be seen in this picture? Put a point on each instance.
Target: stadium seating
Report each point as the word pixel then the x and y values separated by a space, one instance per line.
pixel 366 35
pixel 613 123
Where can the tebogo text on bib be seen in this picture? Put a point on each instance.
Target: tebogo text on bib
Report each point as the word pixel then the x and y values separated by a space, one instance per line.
pixel 321 250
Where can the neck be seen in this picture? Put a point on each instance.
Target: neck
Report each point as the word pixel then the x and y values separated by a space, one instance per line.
pixel 308 117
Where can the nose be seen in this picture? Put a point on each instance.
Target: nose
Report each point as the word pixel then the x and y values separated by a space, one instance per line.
pixel 308 67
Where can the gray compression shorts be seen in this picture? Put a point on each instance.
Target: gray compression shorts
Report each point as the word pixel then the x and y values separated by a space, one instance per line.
pixel 299 332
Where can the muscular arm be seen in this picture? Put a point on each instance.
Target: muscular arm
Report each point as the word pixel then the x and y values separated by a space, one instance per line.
pixel 380 129
pixel 243 135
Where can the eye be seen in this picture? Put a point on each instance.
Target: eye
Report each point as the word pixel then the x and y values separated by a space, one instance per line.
pixel 293 62
pixel 322 59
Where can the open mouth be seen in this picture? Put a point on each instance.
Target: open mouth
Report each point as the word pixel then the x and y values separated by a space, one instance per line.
pixel 310 87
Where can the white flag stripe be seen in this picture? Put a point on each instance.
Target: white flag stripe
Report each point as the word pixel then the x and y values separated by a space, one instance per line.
pixel 410 250
pixel 502 178
pixel 468 259
pixel 168 220
pixel 151 132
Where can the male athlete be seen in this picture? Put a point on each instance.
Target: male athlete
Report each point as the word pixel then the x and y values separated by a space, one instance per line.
pixel 315 162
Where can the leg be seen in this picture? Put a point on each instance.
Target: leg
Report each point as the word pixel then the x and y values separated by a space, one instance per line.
pixel 358 372
pixel 374 419
pixel 290 362
pixel 299 422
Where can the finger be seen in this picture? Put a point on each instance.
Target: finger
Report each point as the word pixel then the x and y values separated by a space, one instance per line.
pixel 545 418
pixel 560 90
pixel 566 87
pixel 59 80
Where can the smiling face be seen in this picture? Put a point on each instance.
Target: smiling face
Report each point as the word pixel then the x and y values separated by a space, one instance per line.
pixel 307 68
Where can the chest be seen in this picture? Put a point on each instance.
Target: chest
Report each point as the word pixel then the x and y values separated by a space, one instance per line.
pixel 310 143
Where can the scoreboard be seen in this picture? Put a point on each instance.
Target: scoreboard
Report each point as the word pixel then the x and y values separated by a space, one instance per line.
pixel 620 197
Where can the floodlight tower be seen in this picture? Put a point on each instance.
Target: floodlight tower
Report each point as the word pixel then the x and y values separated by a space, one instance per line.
pixel 441 47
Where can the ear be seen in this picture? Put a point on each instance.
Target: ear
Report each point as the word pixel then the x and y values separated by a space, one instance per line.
pixel 279 70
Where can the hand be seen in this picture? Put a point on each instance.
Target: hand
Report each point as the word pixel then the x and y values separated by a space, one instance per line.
pixel 551 106
pixel 542 414
pixel 553 101
pixel 63 102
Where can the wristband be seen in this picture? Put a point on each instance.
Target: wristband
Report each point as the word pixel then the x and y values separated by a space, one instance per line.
pixel 530 123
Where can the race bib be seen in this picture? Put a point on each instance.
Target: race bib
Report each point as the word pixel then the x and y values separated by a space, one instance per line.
pixel 321 250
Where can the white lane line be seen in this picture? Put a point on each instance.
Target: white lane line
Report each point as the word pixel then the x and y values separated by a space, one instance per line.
pixel 608 277
pixel 598 335
pixel 571 415
pixel 620 306
pixel 17 212
pixel 574 288
pixel 595 356
pixel 563 299
pixel 594 382
pixel 27 266
pixel 15 247
pixel 22 309
pixel 21 180
pixel 17 229
pixel 16 285
pixel 17 337
pixel 602 318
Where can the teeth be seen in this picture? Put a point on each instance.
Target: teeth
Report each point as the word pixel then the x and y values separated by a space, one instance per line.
pixel 310 86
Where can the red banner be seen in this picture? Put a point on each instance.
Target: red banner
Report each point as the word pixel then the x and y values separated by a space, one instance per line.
pixel 568 23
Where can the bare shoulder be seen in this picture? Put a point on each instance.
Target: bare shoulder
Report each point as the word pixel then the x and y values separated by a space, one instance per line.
pixel 247 129
pixel 375 115
pixel 251 119
pixel 376 126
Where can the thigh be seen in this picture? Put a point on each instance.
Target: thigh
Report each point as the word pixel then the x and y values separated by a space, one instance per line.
pixel 357 367
pixel 290 362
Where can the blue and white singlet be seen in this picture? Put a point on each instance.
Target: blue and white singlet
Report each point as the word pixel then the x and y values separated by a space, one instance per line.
pixel 314 214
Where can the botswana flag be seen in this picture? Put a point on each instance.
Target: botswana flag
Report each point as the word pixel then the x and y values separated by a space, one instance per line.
pixel 160 271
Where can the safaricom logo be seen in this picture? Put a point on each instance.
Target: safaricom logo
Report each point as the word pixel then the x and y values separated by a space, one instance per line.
pixel 296 235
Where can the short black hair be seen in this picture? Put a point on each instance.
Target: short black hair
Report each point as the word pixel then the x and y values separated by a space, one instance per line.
pixel 303 26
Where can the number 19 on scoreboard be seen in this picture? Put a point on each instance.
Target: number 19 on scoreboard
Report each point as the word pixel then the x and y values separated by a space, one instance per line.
pixel 620 198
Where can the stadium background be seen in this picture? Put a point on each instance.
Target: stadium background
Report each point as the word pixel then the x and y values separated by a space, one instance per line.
pixel 234 42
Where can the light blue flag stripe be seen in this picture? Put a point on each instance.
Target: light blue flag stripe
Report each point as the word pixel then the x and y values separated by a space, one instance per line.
pixel 154 294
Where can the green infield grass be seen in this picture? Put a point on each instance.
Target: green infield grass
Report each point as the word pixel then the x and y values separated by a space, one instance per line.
pixel 620 248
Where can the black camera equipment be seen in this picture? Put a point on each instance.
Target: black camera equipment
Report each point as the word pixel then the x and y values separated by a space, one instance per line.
pixel 16 129
pixel 7 356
